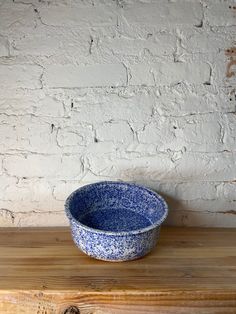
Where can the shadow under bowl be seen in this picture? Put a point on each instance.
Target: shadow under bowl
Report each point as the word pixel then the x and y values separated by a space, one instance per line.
pixel 115 221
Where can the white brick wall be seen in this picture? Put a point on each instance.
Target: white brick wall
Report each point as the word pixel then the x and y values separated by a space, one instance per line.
pixel 120 90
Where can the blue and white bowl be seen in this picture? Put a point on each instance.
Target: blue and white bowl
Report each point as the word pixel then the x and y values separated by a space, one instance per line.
pixel 115 221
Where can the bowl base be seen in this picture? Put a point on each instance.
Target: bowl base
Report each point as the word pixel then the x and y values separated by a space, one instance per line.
pixel 116 260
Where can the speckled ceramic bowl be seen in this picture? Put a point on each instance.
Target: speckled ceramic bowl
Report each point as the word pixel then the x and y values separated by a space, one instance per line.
pixel 115 221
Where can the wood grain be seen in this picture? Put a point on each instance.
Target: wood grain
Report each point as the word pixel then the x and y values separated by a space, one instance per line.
pixel 192 270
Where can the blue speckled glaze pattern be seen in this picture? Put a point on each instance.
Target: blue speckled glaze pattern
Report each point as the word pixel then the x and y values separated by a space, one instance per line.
pixel 115 221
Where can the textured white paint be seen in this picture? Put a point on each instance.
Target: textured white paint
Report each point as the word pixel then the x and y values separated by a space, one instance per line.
pixel 20 76
pixel 15 17
pixel 73 16
pixel 117 90
pixel 3 47
pixel 220 14
pixel 69 76
pixel 169 73
pixel 164 13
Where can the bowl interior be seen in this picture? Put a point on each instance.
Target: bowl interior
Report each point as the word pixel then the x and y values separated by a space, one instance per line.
pixel 116 206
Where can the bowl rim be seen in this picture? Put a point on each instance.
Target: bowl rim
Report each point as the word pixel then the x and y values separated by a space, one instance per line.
pixel 117 233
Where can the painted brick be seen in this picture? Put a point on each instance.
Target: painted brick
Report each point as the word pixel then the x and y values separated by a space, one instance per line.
pixel 204 219
pixel 155 168
pixel 196 190
pixel 63 189
pixel 208 167
pixel 81 135
pixel 169 73
pixel 227 190
pixel 206 42
pixel 20 76
pixel 164 13
pixel 110 106
pixel 160 133
pixel 189 132
pixel 5 182
pixel 43 166
pixel 49 107
pixel 46 42
pixel 84 16
pixel 182 99
pixel 32 194
pixel 34 103
pixel 37 219
pixel 185 133
pixel 32 165
pixel 230 129
pixel 115 132
pixel 214 206
pixel 161 45
pixel 28 134
pixel 6 218
pixel 14 16
pixel 3 47
pixel 220 13
pixel 69 76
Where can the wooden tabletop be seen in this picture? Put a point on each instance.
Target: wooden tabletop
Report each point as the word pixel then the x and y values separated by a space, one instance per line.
pixel 192 270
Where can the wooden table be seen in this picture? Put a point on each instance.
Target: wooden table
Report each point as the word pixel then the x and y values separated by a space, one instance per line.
pixel 192 270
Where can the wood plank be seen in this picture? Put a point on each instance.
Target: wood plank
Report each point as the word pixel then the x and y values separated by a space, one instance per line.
pixel 192 270
pixel 110 303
